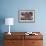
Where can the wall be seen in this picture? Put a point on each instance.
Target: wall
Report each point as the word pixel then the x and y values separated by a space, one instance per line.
pixel 9 8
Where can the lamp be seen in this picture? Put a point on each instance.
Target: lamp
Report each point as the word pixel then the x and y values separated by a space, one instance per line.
pixel 9 21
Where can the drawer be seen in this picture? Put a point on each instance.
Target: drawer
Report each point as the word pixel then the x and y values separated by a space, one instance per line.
pixel 9 43
pixel 13 43
pixel 16 37
pixel 33 43
pixel 37 43
pixel 40 37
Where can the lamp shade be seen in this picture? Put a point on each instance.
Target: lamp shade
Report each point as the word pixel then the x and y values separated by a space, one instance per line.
pixel 9 21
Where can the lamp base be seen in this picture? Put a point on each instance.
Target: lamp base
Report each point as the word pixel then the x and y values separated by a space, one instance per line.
pixel 9 33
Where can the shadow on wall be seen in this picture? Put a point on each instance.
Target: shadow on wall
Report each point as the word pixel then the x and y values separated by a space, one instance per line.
pixel 2 21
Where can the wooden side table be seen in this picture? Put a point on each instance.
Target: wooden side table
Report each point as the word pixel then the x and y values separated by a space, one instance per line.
pixel 20 39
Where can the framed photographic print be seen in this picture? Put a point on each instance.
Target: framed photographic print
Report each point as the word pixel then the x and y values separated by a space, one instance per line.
pixel 26 16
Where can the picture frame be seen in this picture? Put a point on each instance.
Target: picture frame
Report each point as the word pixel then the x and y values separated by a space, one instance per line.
pixel 26 16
